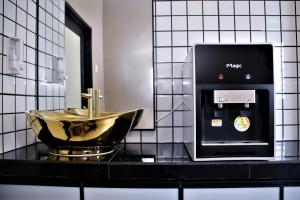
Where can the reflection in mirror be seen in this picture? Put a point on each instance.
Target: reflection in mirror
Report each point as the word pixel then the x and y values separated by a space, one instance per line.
pixel 72 58
pixel 119 61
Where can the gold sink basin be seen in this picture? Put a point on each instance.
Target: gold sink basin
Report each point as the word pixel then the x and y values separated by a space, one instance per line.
pixel 73 134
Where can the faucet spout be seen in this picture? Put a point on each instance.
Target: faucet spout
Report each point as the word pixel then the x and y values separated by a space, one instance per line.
pixel 93 97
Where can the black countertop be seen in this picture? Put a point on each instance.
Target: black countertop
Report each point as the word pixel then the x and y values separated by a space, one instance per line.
pixel 148 164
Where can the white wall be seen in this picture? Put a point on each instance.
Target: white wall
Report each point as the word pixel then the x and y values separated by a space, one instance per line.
pixel 91 11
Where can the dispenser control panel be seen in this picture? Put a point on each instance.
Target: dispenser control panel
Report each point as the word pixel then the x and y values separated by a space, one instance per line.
pixel 234 64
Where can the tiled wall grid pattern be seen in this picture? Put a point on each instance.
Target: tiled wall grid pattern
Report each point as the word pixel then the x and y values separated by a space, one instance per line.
pixel 18 18
pixel 179 24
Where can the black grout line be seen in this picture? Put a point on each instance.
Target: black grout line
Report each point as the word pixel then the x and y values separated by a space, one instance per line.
pixel 15 86
pixel 228 14
pixel 26 102
pixel 282 80
pixel 155 71
pixel 297 78
pixel 234 21
pixel 202 6
pixel 2 46
pixel 219 32
pixel 250 28
pixel 172 69
pixel 265 18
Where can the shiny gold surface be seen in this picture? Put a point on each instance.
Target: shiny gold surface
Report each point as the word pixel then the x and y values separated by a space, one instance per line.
pixel 98 153
pixel 74 129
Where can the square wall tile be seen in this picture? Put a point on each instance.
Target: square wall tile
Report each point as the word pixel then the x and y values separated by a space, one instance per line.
pixel 211 23
pixel 21 17
pixel 9 105
pixel 163 54
pixel 21 119
pixel 8 84
pixel 180 38
pixel 9 28
pixel 178 118
pixel 164 135
pixel 227 36
pixel 179 23
pixel 257 8
pixel 177 70
pixel 31 139
pixel 258 36
pixel 257 23
pixel 8 123
pixel 31 103
pixel 290 101
pixel 289 38
pixel 178 8
pixel 9 141
pixel 226 8
pixel 288 7
pixel 23 4
pixel 20 139
pixel 148 136
pixel 290 117
pixel 273 22
pixel 164 119
pixel 164 86
pixel 272 8
pixel 163 23
pixel 241 7
pixel 31 8
pixel 163 8
pixel 31 23
pixel 211 36
pixel 226 22
pixel 177 86
pixel 195 23
pixel 195 37
pixel 210 7
pixel 20 86
pixel 164 70
pixel 242 23
pixel 164 102
pixel 9 10
pixel 179 54
pixel 194 7
pixel 178 134
pixel 290 133
pixel 290 70
pixel 290 85
pixel 288 23
pixel 163 38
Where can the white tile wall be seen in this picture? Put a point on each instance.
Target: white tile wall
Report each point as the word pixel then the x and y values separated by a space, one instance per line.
pixel 226 21
pixel 178 24
pixel 18 18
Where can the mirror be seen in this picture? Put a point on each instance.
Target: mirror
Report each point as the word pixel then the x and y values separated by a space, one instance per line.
pixel 107 44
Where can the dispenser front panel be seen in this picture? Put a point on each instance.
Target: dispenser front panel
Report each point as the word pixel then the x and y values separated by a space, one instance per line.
pixel 234 101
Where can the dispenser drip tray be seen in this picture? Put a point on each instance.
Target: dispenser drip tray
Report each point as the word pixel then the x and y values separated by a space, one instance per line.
pixel 235 143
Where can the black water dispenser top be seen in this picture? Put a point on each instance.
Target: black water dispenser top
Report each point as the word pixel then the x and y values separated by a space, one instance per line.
pixel 234 100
